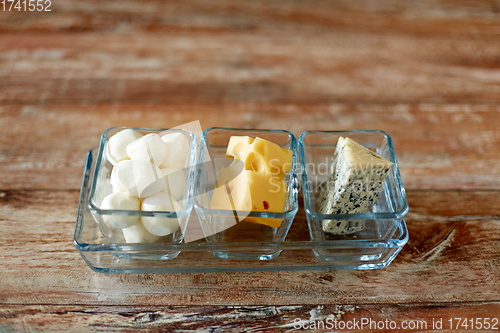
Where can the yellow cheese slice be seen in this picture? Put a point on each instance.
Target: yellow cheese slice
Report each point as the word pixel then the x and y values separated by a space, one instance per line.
pixel 255 179
pixel 260 155
pixel 252 191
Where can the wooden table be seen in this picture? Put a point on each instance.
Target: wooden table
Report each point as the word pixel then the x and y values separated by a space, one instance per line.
pixel 426 72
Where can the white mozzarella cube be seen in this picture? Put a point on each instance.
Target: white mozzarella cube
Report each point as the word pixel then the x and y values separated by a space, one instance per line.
pixel 138 234
pixel 120 201
pixel 178 150
pixel 160 226
pixel 116 148
pixel 114 182
pixel 175 182
pixel 149 148
pixel 139 178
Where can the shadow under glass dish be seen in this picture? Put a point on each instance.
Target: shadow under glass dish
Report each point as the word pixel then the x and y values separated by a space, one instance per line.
pixel 316 153
pixel 229 226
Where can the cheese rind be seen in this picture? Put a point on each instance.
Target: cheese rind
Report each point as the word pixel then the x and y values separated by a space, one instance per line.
pixel 353 186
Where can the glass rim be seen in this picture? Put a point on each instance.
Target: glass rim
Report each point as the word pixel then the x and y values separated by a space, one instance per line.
pixel 225 212
pixel 395 241
pixel 167 214
pixel 400 213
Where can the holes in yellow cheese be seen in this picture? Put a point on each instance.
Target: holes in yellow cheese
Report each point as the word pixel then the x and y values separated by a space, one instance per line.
pixel 260 184
pixel 239 150
pixel 254 163
pixel 259 146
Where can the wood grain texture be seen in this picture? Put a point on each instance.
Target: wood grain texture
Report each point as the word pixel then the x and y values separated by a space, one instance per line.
pixel 165 68
pixel 52 272
pixel 151 52
pixel 45 147
pixel 426 17
pixel 236 318
pixel 426 72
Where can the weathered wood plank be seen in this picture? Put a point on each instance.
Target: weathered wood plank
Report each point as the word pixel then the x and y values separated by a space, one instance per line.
pixel 422 317
pixel 44 147
pixel 454 204
pixel 221 16
pixel 272 52
pixel 427 73
pixel 41 266
pixel 234 68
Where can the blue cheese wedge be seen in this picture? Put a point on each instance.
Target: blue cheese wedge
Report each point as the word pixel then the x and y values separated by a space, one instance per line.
pixel 357 177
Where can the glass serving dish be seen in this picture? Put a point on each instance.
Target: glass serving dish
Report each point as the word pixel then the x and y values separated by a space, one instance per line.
pixel 195 253
pixel 378 226
pixel 231 226
pixel 102 185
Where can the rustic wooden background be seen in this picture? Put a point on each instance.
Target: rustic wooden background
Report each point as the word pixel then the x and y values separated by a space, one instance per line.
pixel 426 72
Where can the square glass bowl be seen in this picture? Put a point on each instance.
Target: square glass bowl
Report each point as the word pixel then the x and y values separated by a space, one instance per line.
pixel 100 187
pixel 384 232
pixel 238 227
pixel 196 253
pixel 306 247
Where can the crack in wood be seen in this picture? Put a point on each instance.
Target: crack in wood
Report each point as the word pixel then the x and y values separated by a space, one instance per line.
pixel 437 249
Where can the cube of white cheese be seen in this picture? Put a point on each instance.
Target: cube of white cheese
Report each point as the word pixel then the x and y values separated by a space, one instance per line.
pixel 140 179
pixel 120 201
pixel 160 226
pixel 178 150
pixel 138 234
pixel 175 182
pixel 149 148
pixel 116 148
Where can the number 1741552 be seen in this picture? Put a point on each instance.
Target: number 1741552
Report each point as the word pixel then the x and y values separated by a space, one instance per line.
pixel 26 5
